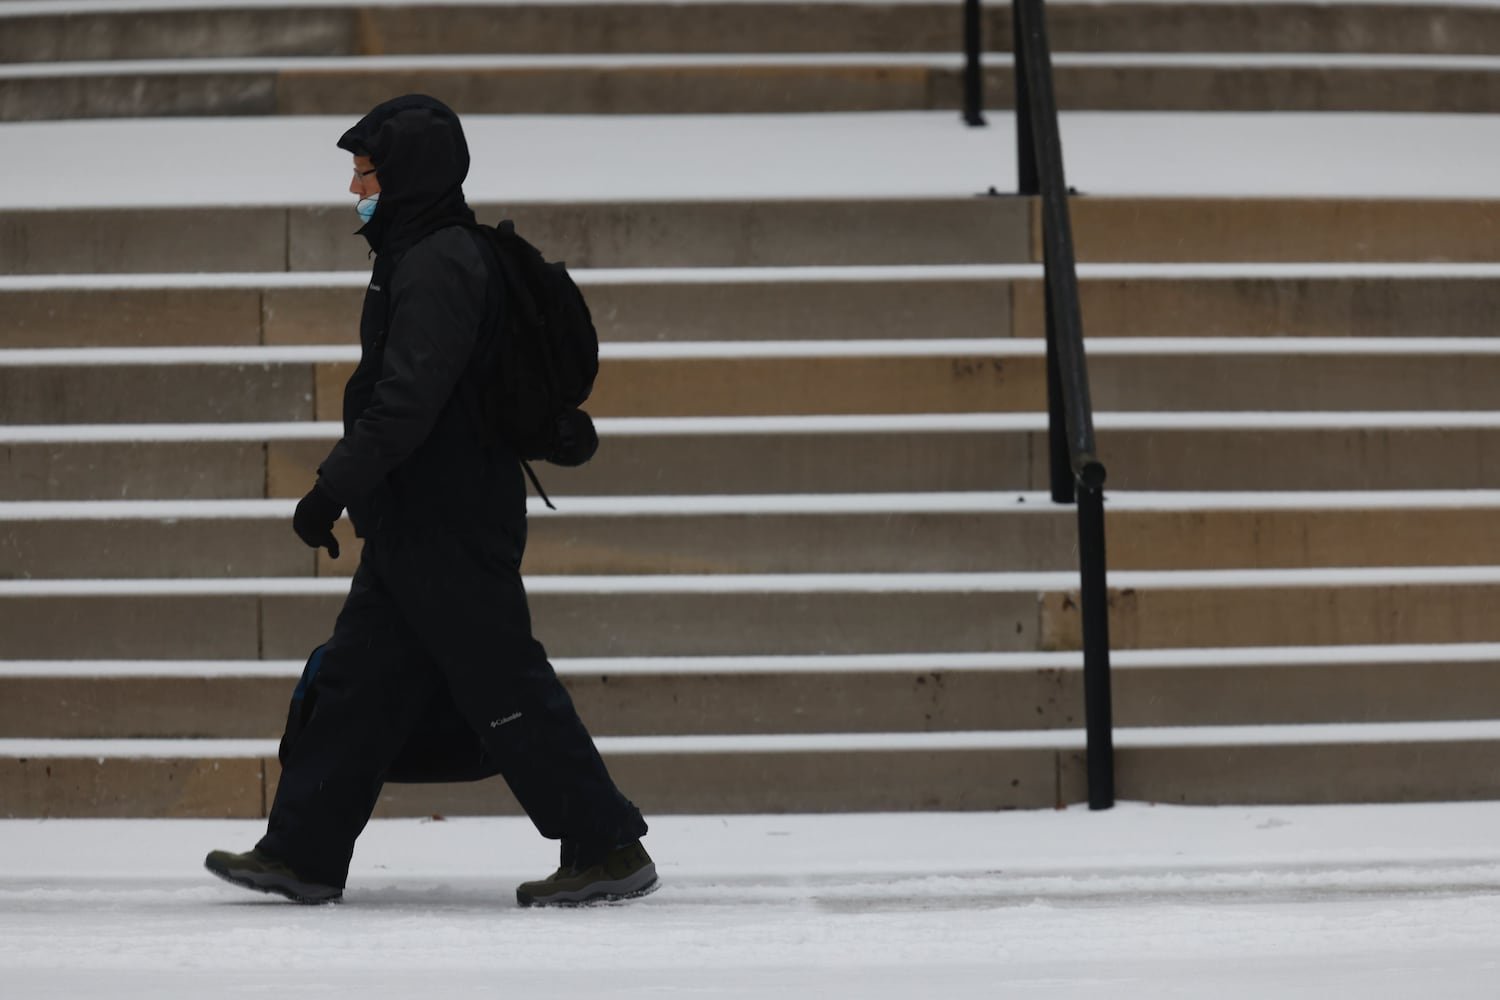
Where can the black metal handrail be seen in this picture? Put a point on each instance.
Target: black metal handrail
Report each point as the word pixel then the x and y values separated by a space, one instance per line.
pixel 1077 475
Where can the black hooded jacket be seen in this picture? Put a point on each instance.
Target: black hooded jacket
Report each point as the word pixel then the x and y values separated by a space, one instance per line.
pixel 415 454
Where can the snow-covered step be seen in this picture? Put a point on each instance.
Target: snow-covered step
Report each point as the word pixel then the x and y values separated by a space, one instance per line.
pixel 799 613
pixel 85 29
pixel 743 83
pixel 737 378
pixel 944 532
pixel 859 454
pixel 1386 762
pixel 885 692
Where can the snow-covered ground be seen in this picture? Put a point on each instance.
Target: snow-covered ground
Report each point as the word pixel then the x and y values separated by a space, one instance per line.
pixel 278 161
pixel 1140 902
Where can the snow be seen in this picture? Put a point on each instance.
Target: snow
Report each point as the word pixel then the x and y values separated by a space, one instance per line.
pixel 1120 660
pixel 1048 739
pixel 1136 902
pixel 154 356
pixel 793 503
pixel 596 277
pixel 1328 734
pixel 1343 420
pixel 310 430
pixel 684 350
pixel 210 280
pixel 144 510
pixel 293 161
pixel 801 583
pixel 151 668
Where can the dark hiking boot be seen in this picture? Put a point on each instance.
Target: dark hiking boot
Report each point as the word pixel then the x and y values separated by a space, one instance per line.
pixel 263 873
pixel 624 873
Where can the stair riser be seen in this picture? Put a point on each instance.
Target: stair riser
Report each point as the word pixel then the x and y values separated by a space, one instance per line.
pixel 116 707
pixel 943 461
pixel 794 310
pixel 1018 539
pixel 1441 771
pixel 735 387
pixel 1283 616
pixel 885 462
pixel 610 704
pixel 654 624
pixel 288 627
pixel 639 311
pixel 750 28
pixel 742 89
pixel 1000 230
pixel 1262 307
pixel 658 783
pixel 1280 230
pixel 747 782
pixel 183 787
pixel 643 234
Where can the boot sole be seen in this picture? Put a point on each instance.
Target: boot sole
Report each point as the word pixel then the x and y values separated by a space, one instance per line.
pixel 633 886
pixel 276 886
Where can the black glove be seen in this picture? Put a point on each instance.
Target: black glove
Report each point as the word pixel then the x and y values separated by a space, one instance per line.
pixel 313 520
pixel 575 441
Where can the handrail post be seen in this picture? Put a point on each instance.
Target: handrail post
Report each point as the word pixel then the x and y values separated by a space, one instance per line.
pixel 973 71
pixel 1094 600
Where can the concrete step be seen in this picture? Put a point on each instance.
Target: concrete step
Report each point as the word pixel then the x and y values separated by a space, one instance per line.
pixel 767 233
pixel 740 84
pixel 576 616
pixel 813 773
pixel 1286 230
pixel 742 455
pixel 312 29
pixel 634 305
pixel 966 532
pixel 167 699
pixel 733 304
pixel 1267 300
pixel 686 234
pixel 711 615
pixel 273 384
pixel 816 303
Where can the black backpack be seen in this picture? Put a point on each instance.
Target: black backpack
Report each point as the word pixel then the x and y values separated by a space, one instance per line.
pixel 546 366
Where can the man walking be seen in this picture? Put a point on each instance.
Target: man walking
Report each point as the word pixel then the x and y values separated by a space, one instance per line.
pixel 436 620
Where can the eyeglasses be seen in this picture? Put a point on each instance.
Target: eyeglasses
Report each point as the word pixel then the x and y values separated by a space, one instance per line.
pixel 360 175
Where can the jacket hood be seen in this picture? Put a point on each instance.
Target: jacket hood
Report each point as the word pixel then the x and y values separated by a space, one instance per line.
pixel 417 144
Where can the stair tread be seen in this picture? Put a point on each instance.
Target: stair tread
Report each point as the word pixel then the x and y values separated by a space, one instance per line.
pixel 1120 660
pixel 1161 737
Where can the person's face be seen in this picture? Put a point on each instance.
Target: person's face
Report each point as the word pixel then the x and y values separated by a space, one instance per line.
pixel 366 182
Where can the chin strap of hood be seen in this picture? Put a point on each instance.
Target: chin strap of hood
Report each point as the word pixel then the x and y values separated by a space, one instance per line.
pixel 417 144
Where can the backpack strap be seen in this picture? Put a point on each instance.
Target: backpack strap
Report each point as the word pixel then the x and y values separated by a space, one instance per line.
pixel 537 483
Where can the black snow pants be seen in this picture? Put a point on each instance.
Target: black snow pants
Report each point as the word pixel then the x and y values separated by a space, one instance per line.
pixel 430 624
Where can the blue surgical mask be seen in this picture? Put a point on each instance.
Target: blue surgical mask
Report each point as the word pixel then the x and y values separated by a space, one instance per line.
pixel 366 207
